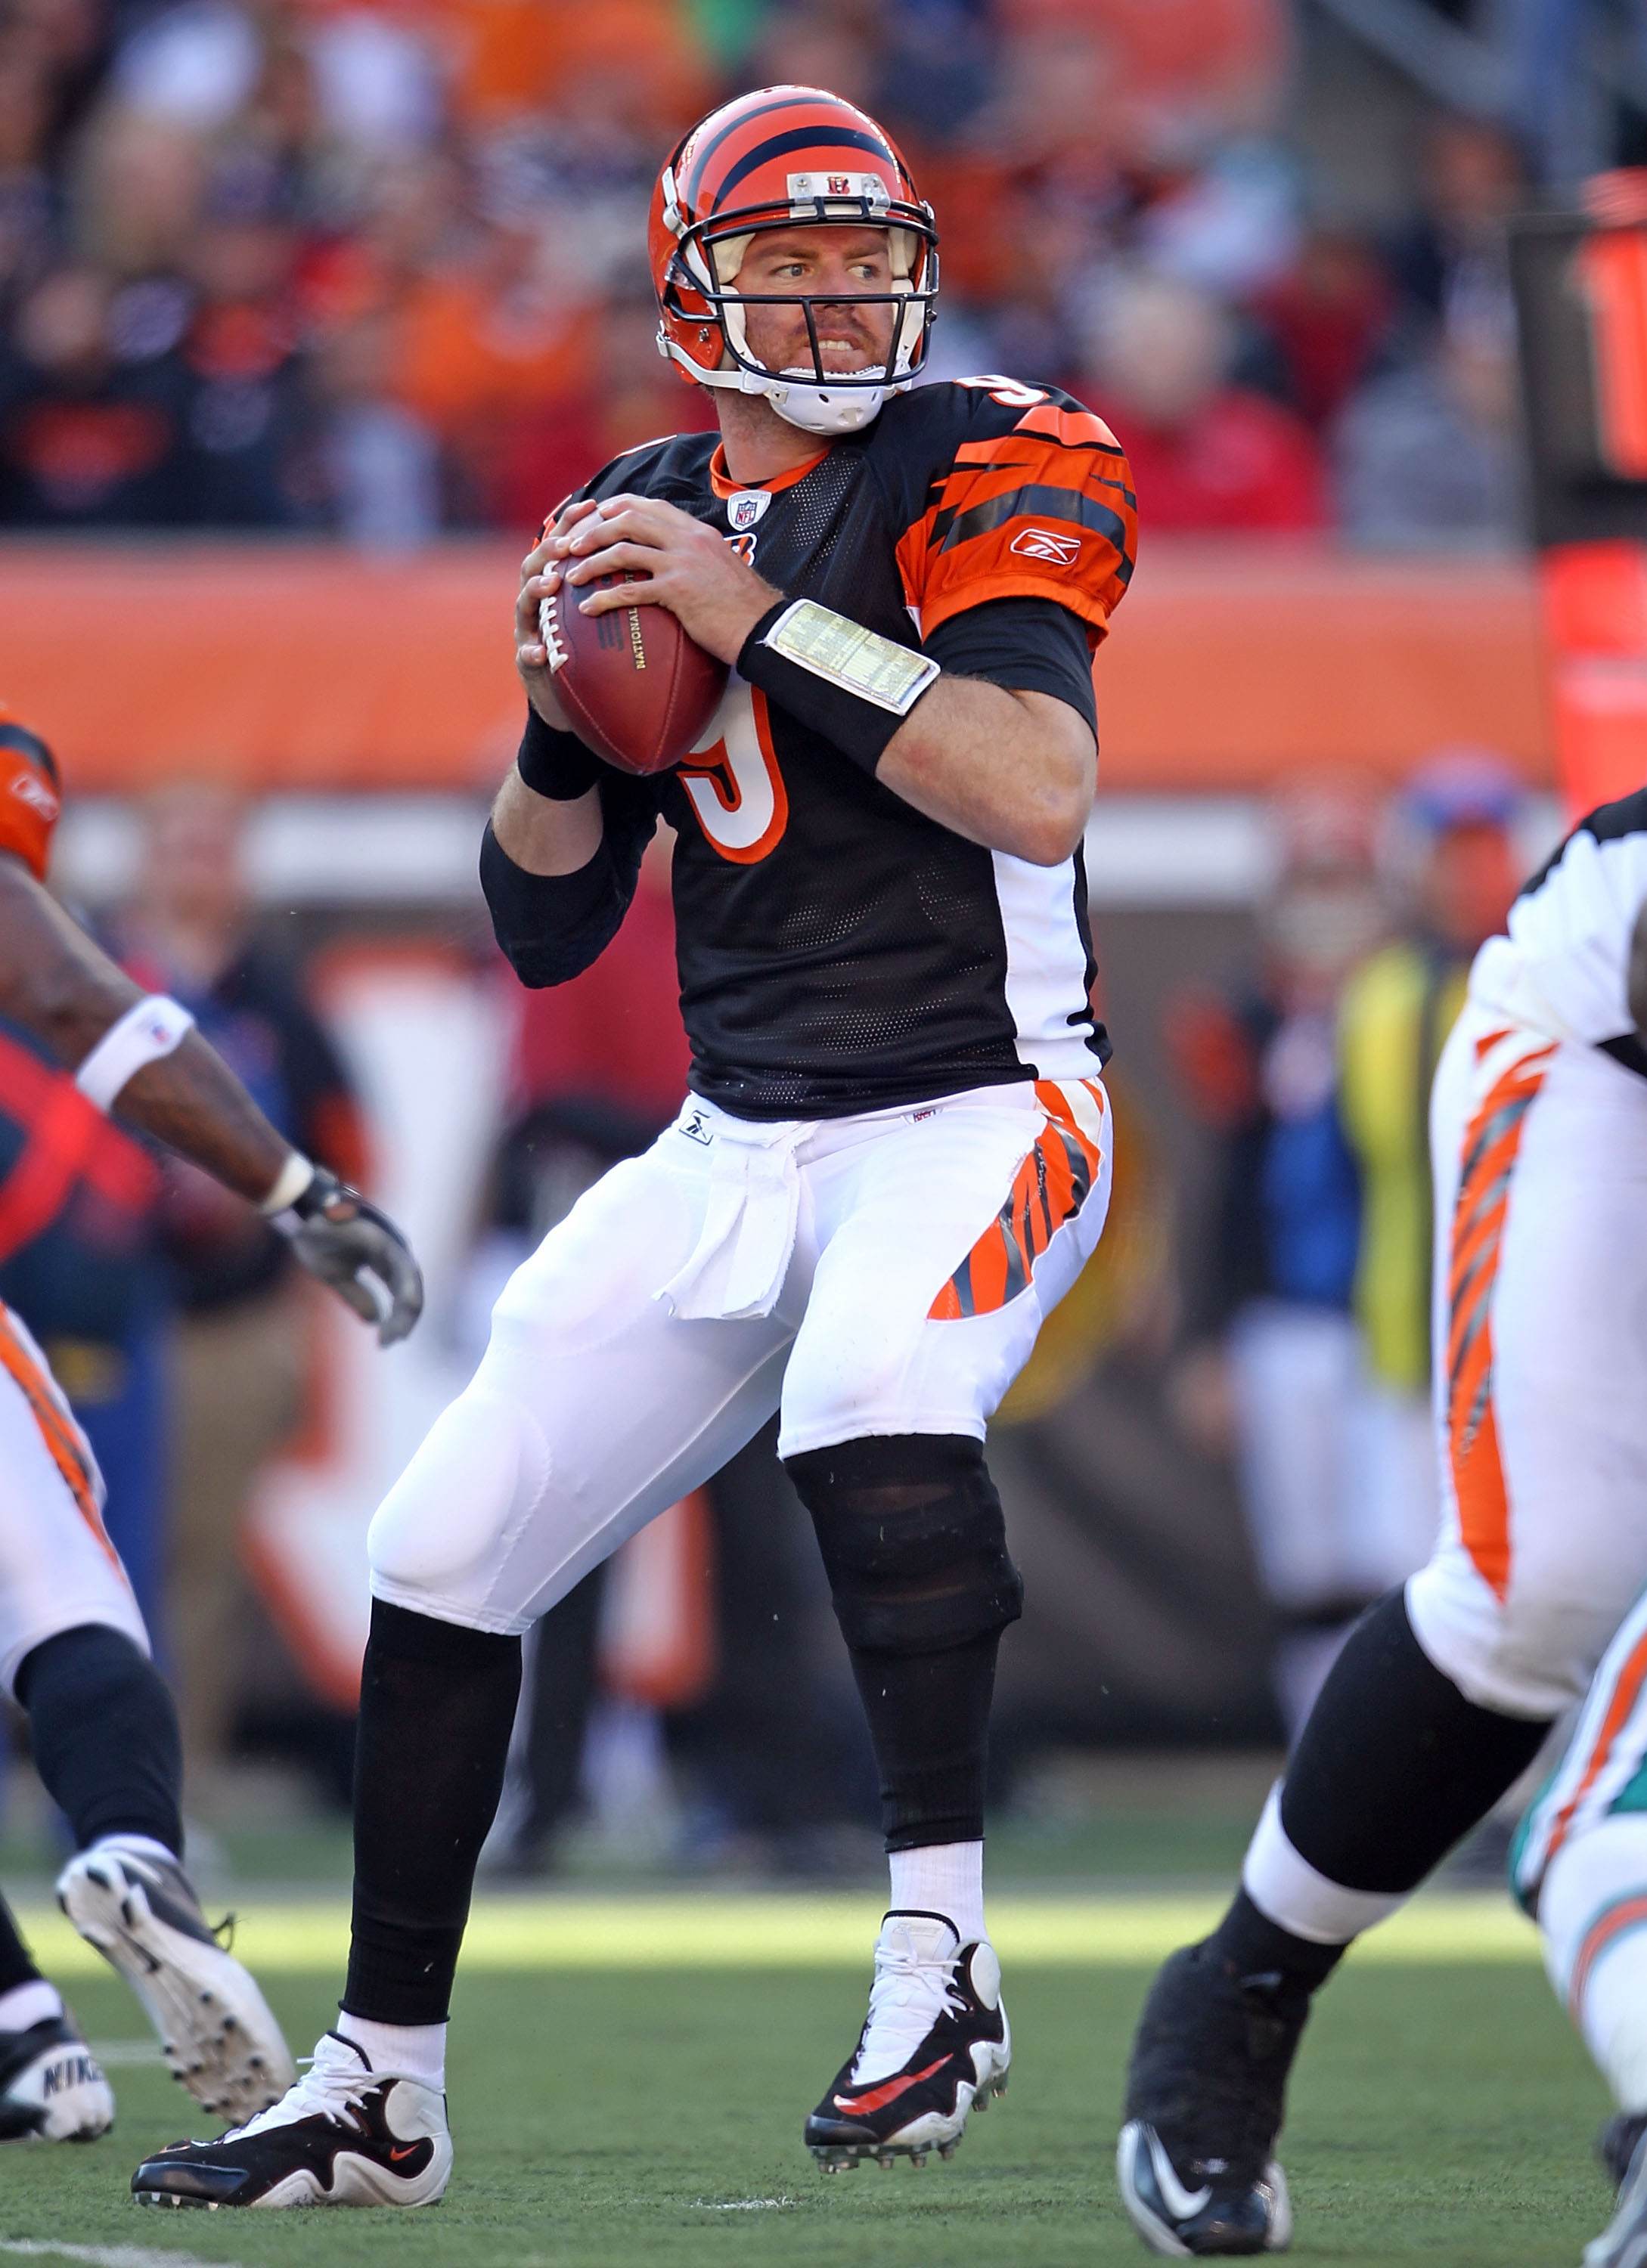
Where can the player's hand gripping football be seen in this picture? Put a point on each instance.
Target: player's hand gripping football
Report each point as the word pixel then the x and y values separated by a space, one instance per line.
pixel 716 597
pixel 344 1241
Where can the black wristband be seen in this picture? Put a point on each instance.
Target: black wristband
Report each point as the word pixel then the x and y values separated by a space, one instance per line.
pixel 555 764
pixel 858 727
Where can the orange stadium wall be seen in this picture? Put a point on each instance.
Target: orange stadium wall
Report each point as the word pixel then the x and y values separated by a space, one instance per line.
pixel 307 667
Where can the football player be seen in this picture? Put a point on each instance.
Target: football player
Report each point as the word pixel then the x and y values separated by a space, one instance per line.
pixel 74 1652
pixel 896 1154
pixel 1579 1867
pixel 1444 1692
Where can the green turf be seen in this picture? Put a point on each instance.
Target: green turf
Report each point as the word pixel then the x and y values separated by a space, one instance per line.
pixel 1441 2115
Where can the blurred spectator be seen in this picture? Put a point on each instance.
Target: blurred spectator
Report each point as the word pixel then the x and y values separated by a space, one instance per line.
pixel 1327 316
pixel 1206 454
pixel 1451 258
pixel 1278 1376
pixel 87 437
pixel 1428 454
pixel 527 462
pixel 1456 855
pixel 238 1365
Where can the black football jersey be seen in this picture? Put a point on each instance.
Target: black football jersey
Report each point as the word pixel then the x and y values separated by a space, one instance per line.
pixel 839 952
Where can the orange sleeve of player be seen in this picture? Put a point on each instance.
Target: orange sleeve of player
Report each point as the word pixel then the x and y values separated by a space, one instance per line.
pixel 29 805
pixel 1044 512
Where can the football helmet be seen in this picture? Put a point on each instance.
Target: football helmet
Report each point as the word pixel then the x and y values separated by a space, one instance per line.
pixel 31 793
pixel 771 159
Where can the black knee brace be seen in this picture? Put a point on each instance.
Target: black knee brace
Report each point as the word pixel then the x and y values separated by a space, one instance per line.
pixel 914 1542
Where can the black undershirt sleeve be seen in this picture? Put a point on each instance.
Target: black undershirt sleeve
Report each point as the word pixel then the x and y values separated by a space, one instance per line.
pixel 551 927
pixel 1026 645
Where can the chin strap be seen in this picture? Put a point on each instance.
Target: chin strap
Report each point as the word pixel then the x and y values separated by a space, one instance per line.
pixel 797 399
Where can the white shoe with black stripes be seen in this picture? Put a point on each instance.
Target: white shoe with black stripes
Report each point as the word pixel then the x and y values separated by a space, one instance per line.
pixel 217 2033
pixel 52 2087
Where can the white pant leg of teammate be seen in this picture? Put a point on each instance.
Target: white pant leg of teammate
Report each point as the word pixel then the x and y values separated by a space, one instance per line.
pixel 1541 1359
pixel 1579 1866
pixel 61 1580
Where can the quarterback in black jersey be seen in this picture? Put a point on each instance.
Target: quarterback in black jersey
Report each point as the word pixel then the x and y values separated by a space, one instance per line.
pixel 895 1155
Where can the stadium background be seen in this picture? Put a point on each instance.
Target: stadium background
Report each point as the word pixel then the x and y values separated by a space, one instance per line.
pixel 309 309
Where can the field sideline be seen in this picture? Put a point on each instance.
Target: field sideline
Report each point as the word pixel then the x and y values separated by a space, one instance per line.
pixel 629 2077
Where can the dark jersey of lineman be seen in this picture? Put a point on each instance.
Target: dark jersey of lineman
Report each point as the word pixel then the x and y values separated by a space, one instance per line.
pixel 837 951
pixel 1564 966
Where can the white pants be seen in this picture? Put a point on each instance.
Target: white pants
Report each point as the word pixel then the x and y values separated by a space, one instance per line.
pixel 1540 1340
pixel 1602 1774
pixel 1337 1471
pixel 1580 1863
pixel 57 1567
pixel 879 1275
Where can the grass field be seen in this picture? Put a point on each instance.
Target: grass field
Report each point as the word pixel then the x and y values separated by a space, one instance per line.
pixel 619 2098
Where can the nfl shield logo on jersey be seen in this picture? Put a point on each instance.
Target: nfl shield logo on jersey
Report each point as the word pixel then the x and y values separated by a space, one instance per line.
pixel 744 509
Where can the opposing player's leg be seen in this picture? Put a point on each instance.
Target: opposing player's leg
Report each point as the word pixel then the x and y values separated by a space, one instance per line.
pixel 593 1409
pixel 1579 1867
pixel 943 1246
pixel 1442 1693
pixel 75 1656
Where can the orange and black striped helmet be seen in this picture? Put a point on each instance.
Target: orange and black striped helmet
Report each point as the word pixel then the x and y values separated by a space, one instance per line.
pixel 31 793
pixel 783 156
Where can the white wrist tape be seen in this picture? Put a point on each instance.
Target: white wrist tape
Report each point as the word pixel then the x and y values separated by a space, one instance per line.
pixel 145 1033
pixel 289 1185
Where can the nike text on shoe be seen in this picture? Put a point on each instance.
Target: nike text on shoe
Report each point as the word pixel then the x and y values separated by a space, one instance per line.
pixel 343 2134
pixel 52 2088
pixel 217 2034
pixel 934 2045
pixel 1205 2093
pixel 1623 2151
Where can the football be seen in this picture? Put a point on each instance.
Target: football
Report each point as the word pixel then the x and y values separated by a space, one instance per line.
pixel 634 687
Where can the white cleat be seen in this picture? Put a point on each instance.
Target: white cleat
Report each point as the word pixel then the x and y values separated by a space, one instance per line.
pixel 934 2047
pixel 343 2134
pixel 52 2088
pixel 215 2030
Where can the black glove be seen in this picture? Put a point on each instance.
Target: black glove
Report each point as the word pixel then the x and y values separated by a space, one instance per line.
pixel 342 1238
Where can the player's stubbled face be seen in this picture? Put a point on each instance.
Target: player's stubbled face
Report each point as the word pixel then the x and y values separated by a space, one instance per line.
pixel 819 263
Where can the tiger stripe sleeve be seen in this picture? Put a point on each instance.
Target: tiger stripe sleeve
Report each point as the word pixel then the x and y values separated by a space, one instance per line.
pixel 1043 509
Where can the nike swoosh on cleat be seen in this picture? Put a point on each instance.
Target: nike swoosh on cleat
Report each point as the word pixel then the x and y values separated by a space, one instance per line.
pixel 878 2097
pixel 1179 2202
pixel 406 2150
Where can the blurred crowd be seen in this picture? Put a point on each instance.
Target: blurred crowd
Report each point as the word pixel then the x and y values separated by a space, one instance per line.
pixel 376 267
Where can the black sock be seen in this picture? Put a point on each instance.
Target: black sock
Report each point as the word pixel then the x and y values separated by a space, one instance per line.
pixel 437 1706
pixel 104 1733
pixel 929 1723
pixel 1394 1765
pixel 17 1963
pixel 1256 1950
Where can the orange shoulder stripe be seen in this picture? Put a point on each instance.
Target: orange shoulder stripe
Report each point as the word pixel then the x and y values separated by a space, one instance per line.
pixel 1075 428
